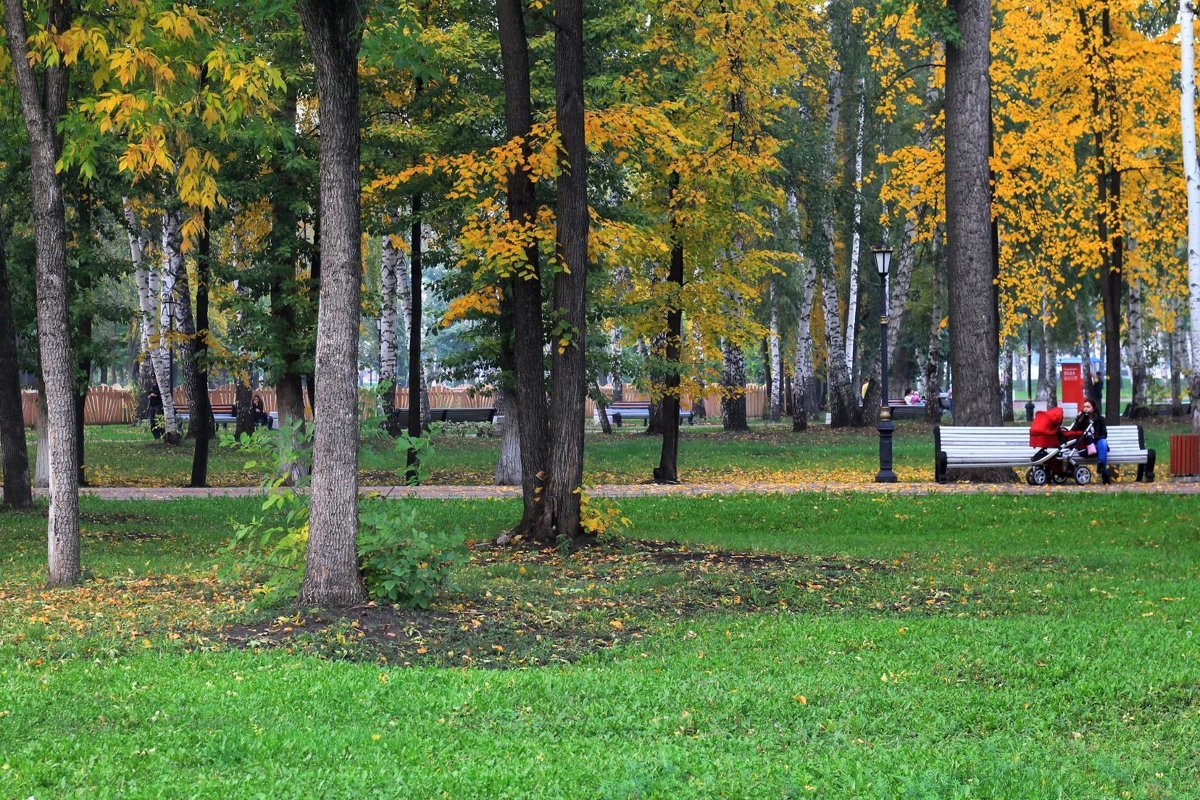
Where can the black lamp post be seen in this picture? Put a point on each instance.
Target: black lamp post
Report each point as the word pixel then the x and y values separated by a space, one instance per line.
pixel 1029 370
pixel 883 262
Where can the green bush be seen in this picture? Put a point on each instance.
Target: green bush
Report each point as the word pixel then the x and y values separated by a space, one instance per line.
pixel 400 562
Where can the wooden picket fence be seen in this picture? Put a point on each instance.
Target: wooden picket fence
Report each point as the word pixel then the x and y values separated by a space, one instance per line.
pixel 113 405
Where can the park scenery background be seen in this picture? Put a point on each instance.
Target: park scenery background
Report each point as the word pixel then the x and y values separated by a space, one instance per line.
pixel 553 399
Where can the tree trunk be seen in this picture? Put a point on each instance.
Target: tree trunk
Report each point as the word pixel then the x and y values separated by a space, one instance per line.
pixel 668 461
pixel 83 374
pixel 733 388
pixel 856 231
pixel 933 364
pixel 1140 407
pixel 184 341
pixel 1085 346
pixel 973 338
pixel 1006 382
pixel 508 467
pixel 567 363
pixel 331 575
pixel 775 367
pixel 602 411
pixel 388 338
pixel 54 328
pixel 41 469
pixel 802 385
pixel 1191 170
pixel 526 286
pixel 418 415
pixel 843 405
pixel 17 490
pixel 202 421
pixel 164 360
pixel 285 290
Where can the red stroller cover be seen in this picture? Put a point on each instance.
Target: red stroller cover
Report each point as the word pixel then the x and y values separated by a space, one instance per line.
pixel 1044 432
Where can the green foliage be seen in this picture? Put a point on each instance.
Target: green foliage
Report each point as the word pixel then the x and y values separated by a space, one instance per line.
pixel 400 561
pixel 272 547
pixel 421 448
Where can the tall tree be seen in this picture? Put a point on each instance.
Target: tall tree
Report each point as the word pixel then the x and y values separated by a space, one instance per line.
pixel 331 576
pixel 525 285
pixel 568 373
pixel 42 110
pixel 974 340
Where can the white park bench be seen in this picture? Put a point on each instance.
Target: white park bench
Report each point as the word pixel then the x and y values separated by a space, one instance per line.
pixel 956 447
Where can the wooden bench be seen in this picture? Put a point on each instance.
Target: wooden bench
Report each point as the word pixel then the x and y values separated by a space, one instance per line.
pixel 961 447
pixel 399 418
pixel 222 414
pixel 622 410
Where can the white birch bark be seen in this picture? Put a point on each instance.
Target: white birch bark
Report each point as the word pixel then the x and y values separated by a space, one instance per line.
pixel 1191 169
pixel 147 324
pixel 856 233
pixel 163 285
pixel 841 396
pixel 802 386
pixel 387 320
pixel 776 363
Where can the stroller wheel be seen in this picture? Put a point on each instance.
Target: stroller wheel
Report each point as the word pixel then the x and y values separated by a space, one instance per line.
pixel 1037 475
pixel 1059 478
pixel 1083 475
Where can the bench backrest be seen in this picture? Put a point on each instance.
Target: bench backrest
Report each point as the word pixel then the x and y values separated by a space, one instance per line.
pixel 630 405
pixel 223 408
pixel 1121 438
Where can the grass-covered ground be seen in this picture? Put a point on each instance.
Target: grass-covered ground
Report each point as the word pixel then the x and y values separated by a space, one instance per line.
pixel 827 645
pixel 120 455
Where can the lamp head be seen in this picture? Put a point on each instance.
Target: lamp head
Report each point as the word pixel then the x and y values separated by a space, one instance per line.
pixel 883 258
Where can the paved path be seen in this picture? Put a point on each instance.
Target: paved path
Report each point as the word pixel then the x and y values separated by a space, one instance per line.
pixel 1167 487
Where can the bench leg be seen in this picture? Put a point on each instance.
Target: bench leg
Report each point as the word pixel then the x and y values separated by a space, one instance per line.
pixel 1151 457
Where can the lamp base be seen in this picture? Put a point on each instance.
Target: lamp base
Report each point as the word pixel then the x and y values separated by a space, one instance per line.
pixel 885 474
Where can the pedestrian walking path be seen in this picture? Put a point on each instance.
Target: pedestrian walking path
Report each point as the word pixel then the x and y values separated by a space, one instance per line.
pixel 1163 487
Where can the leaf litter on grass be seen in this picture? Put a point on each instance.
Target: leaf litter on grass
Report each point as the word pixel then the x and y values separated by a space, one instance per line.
pixel 531 606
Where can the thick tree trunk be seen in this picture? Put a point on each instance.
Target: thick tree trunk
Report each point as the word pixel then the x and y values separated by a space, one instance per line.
pixel 331 575
pixel 1191 170
pixel 17 490
pixel 526 286
pixel 668 462
pixel 567 363
pixel 973 338
pixel 54 328
pixel 733 388
pixel 41 468
pixel 508 467
pixel 289 401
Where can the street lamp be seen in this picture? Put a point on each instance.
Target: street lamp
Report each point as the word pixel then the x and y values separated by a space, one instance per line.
pixel 883 262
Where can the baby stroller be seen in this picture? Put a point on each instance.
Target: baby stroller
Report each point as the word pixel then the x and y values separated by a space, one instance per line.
pixel 1057 458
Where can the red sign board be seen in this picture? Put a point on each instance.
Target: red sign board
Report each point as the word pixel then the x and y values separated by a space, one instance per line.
pixel 1072 384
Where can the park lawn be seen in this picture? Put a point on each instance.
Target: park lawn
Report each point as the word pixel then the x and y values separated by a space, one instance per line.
pixel 120 455
pixel 836 646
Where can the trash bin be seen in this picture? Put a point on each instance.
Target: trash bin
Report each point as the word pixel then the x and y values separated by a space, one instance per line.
pixel 1185 455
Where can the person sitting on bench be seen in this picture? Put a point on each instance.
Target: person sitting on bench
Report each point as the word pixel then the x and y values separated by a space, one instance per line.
pixel 261 417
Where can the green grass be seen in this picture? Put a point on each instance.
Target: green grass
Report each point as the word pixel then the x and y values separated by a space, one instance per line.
pixel 971 647
pixel 118 455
